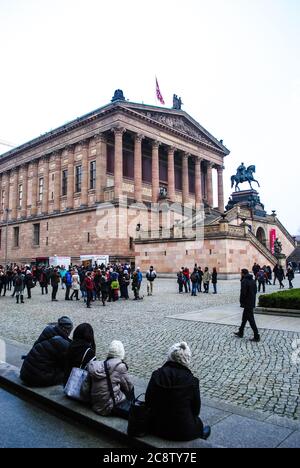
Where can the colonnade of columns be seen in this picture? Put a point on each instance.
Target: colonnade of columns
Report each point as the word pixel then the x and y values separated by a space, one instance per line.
pixel 14 194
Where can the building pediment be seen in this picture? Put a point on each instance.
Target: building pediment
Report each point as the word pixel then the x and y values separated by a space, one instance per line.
pixel 181 122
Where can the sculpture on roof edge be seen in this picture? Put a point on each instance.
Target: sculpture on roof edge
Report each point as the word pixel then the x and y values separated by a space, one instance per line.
pixel 177 103
pixel 118 96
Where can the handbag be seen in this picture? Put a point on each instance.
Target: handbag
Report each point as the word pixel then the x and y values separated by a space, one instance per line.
pixel 139 418
pixel 78 384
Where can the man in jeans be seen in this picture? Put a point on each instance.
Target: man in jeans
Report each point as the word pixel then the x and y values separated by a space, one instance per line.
pixel 247 301
pixel 151 275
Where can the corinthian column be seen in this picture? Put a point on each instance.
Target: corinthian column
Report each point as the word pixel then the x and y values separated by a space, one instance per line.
pixel 85 173
pixel 198 185
pixel 171 174
pixel 118 131
pixel 45 201
pixel 70 184
pixel 185 178
pixel 25 191
pixel 34 185
pixel 210 197
pixel 138 167
pixel 57 182
pixel 155 171
pixel 15 195
pixel 220 189
pixel 101 166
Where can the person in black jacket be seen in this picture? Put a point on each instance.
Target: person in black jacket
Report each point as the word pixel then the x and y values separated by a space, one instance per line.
pixel 173 397
pixel 82 350
pixel 247 301
pixel 44 365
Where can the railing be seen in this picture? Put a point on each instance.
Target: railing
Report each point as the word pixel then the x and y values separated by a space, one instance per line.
pixel 262 248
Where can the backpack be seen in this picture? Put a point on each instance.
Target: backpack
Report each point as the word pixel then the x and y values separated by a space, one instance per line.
pixel 18 281
pixel 261 275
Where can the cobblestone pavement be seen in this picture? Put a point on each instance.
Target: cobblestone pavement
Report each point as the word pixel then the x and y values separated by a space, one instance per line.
pixel 255 375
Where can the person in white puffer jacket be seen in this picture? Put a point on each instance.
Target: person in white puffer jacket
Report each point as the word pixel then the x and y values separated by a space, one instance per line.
pixel 111 399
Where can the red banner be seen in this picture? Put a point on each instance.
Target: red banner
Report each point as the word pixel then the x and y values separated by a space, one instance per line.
pixel 272 239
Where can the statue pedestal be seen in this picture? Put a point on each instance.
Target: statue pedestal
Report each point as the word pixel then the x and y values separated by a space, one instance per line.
pixel 249 199
pixel 281 259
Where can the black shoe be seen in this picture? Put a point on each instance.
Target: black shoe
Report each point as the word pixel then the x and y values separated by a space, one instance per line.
pixel 255 339
pixel 206 432
pixel 238 335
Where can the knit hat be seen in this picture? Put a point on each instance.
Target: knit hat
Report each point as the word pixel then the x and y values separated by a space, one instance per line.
pixel 116 350
pixel 181 353
pixel 65 322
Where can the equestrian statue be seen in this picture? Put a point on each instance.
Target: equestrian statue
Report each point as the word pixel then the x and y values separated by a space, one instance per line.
pixel 243 174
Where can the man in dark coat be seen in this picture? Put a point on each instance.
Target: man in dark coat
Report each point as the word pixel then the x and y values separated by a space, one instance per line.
pixel 45 363
pixel 247 301
pixel 173 397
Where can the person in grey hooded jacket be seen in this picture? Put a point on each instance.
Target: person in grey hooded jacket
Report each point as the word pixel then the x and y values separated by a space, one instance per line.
pixel 114 399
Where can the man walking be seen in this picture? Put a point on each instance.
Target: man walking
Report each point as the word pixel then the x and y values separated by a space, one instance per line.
pixel 247 301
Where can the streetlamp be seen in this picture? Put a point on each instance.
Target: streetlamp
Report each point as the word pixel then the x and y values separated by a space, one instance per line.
pixel 6 235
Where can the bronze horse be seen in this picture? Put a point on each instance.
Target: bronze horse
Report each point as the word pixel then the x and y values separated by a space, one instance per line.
pixel 246 176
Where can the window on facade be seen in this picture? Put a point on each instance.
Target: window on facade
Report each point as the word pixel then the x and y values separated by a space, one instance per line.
pixel 64 185
pixel 20 195
pixel 41 188
pixel 36 234
pixel 147 169
pixel 3 199
pixel 93 175
pixel 78 179
pixel 16 236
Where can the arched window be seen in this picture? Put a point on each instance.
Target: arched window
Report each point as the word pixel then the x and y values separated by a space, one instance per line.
pixel 261 236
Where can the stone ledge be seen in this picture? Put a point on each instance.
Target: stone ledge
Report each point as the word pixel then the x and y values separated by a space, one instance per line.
pixel 280 312
pixel 53 399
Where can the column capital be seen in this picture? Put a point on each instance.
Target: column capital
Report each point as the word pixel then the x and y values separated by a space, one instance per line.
pixel 198 159
pixel 118 130
pixel 186 156
pixel 70 148
pixel 171 149
pixel 156 144
pixel 139 137
pixel 24 166
pixel 45 158
pixel 100 137
pixel 220 168
pixel 34 163
pixel 84 143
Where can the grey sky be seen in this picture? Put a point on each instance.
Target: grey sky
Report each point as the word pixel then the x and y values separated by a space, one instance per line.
pixel 235 63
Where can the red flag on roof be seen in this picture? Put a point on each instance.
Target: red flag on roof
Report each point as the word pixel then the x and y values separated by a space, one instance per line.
pixel 158 93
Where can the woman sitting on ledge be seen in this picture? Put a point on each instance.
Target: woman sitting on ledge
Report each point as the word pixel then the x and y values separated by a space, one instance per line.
pixel 112 390
pixel 173 397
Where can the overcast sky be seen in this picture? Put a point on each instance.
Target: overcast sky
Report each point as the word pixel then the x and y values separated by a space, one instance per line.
pixel 235 64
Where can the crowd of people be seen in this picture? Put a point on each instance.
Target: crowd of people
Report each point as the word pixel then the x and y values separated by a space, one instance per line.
pixel 172 395
pixel 104 283
pixel 264 276
pixel 193 282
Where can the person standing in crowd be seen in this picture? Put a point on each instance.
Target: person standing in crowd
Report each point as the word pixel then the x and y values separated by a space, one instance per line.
pixel 62 273
pixel 173 398
pixel 124 283
pixel 89 287
pixel 247 301
pixel 194 280
pixel 280 276
pixel 206 280
pixel 82 349
pixel 269 275
pixel 104 288
pixel 135 286
pixel 55 279
pixel 151 275
pixel 44 365
pixel 290 276
pixel 29 282
pixel 275 271
pixel 255 269
pixel 112 389
pixel 186 273
pixel 180 281
pixel 3 279
pixel 200 276
pixel 68 283
pixel 20 286
pixel 75 285
pixel 214 279
pixel 140 277
pixel 43 280
pixel 261 278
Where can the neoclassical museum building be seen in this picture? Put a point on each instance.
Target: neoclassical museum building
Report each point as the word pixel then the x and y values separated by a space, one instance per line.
pixel 125 165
